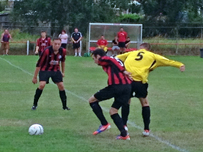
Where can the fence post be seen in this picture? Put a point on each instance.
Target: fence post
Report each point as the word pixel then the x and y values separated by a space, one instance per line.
pixel 28 47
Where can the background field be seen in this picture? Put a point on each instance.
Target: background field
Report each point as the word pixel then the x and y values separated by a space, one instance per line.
pixel 175 98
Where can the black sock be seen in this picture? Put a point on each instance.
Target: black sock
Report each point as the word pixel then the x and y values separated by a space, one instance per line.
pixel 38 93
pixel 146 117
pixel 125 112
pixel 63 97
pixel 98 112
pixel 119 123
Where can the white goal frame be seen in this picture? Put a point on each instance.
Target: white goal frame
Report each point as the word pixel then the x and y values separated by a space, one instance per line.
pixel 138 41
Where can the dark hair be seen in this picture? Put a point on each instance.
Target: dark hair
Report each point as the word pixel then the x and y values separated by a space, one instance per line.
pixel 56 38
pixel 100 52
pixel 43 32
pixel 63 31
pixel 147 46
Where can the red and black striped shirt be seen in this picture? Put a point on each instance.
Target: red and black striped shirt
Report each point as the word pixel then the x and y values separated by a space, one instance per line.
pixel 43 43
pixel 114 71
pixel 49 61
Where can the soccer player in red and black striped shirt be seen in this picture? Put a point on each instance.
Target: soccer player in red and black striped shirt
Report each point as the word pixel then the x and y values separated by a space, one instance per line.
pixel 48 66
pixel 118 87
pixel 42 43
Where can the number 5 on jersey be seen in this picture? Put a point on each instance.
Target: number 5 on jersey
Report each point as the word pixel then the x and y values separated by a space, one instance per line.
pixel 139 56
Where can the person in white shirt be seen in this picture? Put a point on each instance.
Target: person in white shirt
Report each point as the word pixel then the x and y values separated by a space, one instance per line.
pixel 64 39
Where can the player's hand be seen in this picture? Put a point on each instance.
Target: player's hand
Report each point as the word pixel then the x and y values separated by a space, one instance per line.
pixel 36 52
pixel 34 80
pixel 63 75
pixel 182 68
pixel 128 74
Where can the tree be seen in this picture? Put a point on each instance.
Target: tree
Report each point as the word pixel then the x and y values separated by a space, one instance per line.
pixel 75 13
pixel 173 10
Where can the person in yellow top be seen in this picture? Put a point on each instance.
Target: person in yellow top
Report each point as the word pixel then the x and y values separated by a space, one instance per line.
pixel 139 63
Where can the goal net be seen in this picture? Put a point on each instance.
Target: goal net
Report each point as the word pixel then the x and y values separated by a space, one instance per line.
pixel 110 30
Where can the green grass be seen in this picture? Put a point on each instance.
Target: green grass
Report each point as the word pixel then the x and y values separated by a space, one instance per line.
pixel 175 99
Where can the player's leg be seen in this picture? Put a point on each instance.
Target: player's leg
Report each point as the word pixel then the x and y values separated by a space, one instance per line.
pixel 7 48
pixel 38 93
pixel 79 50
pixel 125 110
pixel 57 78
pixel 2 47
pixel 145 115
pixel 75 49
pixel 101 95
pixel 141 93
pixel 119 123
pixel 121 99
pixel 43 77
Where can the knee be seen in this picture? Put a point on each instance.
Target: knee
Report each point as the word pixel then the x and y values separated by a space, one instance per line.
pixel 113 111
pixel 92 99
pixel 41 86
pixel 61 86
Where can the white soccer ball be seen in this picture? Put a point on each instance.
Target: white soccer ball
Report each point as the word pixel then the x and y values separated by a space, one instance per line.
pixel 36 129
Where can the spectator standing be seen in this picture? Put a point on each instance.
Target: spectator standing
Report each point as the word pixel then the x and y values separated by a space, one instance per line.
pixel 122 36
pixel 5 37
pixel 64 39
pixel 76 36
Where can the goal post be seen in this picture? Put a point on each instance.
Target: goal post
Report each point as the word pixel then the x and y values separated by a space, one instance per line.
pixel 110 30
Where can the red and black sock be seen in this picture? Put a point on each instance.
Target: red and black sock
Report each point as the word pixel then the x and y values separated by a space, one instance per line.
pixel 98 112
pixel 38 93
pixel 146 117
pixel 119 123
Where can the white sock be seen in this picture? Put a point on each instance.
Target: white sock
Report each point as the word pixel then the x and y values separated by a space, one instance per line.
pixel 75 53
pixel 79 54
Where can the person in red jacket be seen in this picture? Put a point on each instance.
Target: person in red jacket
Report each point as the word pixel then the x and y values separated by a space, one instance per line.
pixel 102 43
pixel 122 36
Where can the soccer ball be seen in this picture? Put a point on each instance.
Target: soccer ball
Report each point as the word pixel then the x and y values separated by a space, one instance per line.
pixel 36 129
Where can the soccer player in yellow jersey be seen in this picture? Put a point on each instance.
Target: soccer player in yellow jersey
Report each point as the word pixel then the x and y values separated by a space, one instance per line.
pixel 139 64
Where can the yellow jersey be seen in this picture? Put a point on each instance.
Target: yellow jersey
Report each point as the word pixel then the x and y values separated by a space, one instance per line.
pixel 140 63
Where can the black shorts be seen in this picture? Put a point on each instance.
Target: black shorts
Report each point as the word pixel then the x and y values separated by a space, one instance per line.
pixel 121 44
pixel 76 45
pixel 139 89
pixel 63 45
pixel 121 94
pixel 56 76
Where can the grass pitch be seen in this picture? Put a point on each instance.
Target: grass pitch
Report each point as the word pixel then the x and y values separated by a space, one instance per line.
pixel 175 99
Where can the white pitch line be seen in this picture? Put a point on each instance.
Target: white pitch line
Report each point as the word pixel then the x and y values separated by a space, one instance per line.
pixel 107 110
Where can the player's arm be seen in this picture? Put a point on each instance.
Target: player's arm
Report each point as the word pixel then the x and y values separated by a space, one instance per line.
pixel 37 47
pixel 49 41
pixel 72 38
pixel 38 65
pixel 2 37
pixel 98 43
pixel 63 63
pixel 122 57
pixel 163 61
pixel 34 80
pixel 63 68
pixel 80 37
pixel 10 36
